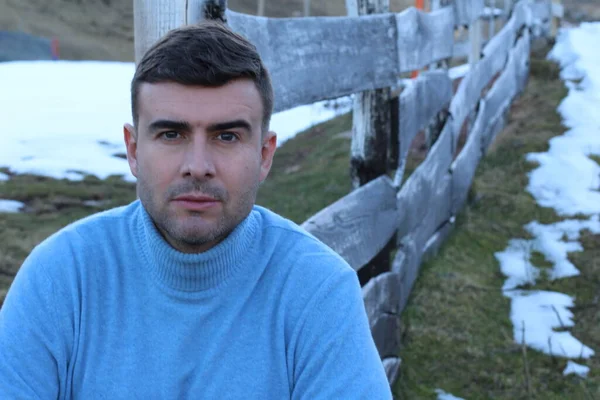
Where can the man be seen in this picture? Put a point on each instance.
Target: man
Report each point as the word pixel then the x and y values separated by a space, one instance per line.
pixel 192 292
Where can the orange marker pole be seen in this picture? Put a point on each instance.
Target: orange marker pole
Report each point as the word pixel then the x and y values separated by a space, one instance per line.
pixel 420 4
pixel 54 49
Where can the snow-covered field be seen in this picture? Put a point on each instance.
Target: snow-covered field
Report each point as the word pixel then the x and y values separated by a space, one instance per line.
pixel 64 119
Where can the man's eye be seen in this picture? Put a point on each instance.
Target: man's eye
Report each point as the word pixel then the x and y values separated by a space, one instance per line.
pixel 170 135
pixel 227 137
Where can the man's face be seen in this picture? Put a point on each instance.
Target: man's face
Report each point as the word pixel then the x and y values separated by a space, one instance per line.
pixel 199 157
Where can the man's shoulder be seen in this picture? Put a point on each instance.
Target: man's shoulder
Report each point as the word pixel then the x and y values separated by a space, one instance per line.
pixel 92 230
pixel 299 248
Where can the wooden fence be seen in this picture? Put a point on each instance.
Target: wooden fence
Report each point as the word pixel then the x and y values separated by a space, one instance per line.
pixel 369 54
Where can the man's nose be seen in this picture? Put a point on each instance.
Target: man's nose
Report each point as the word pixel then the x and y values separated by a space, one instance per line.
pixel 198 161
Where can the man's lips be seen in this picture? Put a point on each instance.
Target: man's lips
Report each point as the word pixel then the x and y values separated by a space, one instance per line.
pixel 195 202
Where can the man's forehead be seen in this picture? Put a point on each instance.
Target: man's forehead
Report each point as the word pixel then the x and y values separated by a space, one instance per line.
pixel 239 98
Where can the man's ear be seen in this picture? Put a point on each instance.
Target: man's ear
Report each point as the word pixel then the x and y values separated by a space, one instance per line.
pixel 131 144
pixel 269 145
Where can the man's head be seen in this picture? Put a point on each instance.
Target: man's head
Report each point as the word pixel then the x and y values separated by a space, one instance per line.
pixel 200 146
pixel 208 54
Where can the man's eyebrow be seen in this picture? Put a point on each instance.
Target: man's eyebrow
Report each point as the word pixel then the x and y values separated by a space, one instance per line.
pixel 169 124
pixel 223 126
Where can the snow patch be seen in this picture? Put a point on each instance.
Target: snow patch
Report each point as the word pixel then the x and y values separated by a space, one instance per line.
pixel 537 314
pixel 446 396
pixel 577 369
pixel 64 119
pixel 10 206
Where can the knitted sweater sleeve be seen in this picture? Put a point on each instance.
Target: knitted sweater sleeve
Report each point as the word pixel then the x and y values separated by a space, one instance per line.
pixel 335 356
pixel 33 352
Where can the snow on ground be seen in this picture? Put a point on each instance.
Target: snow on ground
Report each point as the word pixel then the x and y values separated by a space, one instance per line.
pixel 4 177
pixel 446 396
pixel 574 368
pixel 568 181
pixel 10 206
pixel 64 119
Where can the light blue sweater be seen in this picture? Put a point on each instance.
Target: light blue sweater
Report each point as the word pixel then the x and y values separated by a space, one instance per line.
pixel 106 309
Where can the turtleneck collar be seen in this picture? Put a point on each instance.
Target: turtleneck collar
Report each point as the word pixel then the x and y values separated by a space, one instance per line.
pixel 194 272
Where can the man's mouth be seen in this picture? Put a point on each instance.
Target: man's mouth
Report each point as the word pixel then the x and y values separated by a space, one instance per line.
pixel 195 202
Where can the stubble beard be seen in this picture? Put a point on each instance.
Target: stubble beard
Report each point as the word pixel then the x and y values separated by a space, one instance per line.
pixel 191 237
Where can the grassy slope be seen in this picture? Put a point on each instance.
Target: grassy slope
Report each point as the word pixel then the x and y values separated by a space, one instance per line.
pixel 457 335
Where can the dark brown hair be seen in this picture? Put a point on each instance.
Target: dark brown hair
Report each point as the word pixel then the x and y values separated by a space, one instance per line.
pixel 206 54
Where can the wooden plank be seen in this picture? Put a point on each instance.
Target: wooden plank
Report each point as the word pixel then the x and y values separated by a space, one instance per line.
pixel 425 198
pixel 490 13
pixel 523 49
pixel 493 128
pixel 476 41
pixel 464 166
pixel 406 264
pixel 439 212
pixel 382 295
pixel 154 18
pixel 461 48
pixel 435 242
pixel 558 10
pixel 541 10
pixel 470 88
pixel 504 40
pixel 467 11
pixel 316 58
pixel 501 94
pixel 510 83
pixel 508 5
pixel 297 49
pixel 392 368
pixel 420 101
pixel 424 38
pixel 523 13
pixel 385 330
pixel 371 130
pixel 360 224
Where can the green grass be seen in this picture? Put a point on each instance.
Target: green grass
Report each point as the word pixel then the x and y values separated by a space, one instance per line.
pixel 457 335
pixel 310 171
pixel 50 205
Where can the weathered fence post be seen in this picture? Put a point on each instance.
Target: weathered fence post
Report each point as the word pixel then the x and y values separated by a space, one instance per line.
pixel 475 36
pixel 306 8
pixel 557 15
pixel 260 8
pixel 154 18
pixel 371 118
pixel 492 19
pixel 371 134
pixel 507 10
